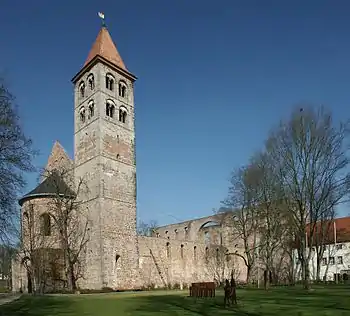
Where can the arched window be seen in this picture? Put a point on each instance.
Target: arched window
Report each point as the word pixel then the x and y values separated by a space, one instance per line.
pixel 110 108
pixel 182 251
pixel 217 254
pixel 117 258
pixel 195 253
pixel 82 114
pixel 82 89
pixel 91 82
pixel 206 254
pixel 122 115
pixel 122 89
pixel 168 250
pixel 109 82
pixel 45 224
pixel 91 109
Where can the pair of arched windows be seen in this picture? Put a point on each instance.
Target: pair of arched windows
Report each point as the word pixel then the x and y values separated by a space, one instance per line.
pixel 91 84
pixel 110 111
pixel 121 85
pixel 91 111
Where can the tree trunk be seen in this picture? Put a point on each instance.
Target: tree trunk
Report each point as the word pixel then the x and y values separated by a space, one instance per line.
pixel 249 272
pixel 318 270
pixel 306 275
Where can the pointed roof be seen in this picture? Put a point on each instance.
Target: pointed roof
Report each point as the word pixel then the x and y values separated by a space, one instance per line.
pixel 105 48
pixel 58 158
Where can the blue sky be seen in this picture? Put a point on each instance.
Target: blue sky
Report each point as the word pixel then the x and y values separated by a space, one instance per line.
pixel 214 77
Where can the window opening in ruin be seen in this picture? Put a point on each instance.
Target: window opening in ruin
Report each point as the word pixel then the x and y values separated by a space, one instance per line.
pixel 122 115
pixel 206 237
pixel 109 82
pixel 91 81
pixel 176 233
pixel 195 253
pixel 182 251
pixel 45 224
pixel 206 254
pixel 217 254
pixel 122 89
pixel 82 115
pixel 91 109
pixel 117 258
pixel 186 232
pixel 118 156
pixel 168 250
pixel 110 109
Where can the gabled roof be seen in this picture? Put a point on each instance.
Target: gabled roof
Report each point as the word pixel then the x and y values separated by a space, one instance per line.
pixel 52 186
pixel 104 47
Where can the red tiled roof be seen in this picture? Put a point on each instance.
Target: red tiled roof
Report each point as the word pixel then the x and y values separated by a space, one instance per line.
pixel 104 47
pixel 342 226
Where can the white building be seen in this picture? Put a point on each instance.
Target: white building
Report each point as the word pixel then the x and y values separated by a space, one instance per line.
pixel 336 256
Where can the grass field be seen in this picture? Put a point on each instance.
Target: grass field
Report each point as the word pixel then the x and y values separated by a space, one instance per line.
pixel 284 301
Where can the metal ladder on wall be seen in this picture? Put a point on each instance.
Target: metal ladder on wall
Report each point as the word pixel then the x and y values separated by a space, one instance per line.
pixel 157 266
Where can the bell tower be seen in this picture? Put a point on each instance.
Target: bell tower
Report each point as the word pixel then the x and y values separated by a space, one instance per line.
pixel 104 153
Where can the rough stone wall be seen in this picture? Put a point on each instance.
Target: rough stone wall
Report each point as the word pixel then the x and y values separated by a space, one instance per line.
pixel 105 156
pixel 193 253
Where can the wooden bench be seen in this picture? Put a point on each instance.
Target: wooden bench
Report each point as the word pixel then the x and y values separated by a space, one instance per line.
pixel 202 289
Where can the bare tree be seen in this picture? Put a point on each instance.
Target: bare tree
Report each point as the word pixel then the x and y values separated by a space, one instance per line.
pixel 147 229
pixel 71 221
pixel 16 155
pixel 270 214
pixel 32 249
pixel 242 201
pixel 219 264
pixel 309 155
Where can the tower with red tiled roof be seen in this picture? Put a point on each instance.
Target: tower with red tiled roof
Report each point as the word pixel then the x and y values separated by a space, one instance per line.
pixel 104 152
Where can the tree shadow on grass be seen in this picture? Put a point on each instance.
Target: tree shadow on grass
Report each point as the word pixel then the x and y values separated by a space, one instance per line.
pixel 181 305
pixel 38 306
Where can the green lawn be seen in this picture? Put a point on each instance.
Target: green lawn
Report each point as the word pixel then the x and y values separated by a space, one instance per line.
pixel 284 301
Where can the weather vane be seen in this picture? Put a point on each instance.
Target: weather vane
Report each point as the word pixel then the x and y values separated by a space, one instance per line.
pixel 102 17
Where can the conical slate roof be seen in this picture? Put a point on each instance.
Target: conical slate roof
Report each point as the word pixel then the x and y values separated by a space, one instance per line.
pixel 52 186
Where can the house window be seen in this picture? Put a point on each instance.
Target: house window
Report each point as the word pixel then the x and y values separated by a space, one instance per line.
pixel 331 260
pixel 340 260
pixel 168 250
pixel 122 115
pixel 82 114
pixel 45 224
pixel 182 251
pixel 82 89
pixel 339 246
pixel 109 82
pixel 324 261
pixel 91 109
pixel 91 81
pixel 122 89
pixel 110 108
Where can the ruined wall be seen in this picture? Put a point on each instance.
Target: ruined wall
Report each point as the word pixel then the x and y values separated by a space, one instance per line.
pixel 190 252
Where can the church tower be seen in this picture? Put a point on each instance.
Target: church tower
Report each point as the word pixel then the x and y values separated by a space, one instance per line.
pixel 104 156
